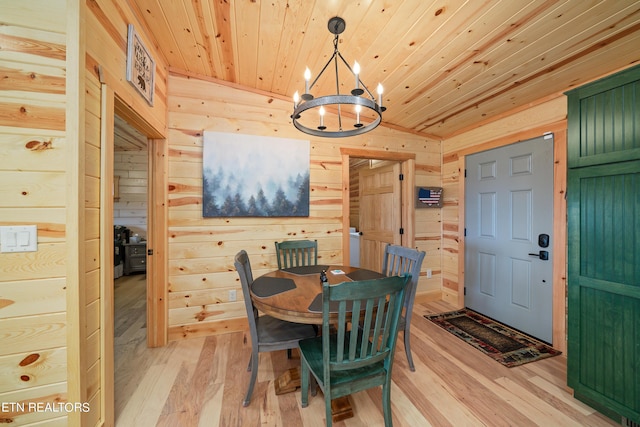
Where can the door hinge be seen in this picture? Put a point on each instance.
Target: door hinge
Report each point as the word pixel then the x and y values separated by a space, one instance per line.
pixel 465 173
pixel 465 290
pixel 149 251
pixel 401 177
pixel 401 230
pixel 465 231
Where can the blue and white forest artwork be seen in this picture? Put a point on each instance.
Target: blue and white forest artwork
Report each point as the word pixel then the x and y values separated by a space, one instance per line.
pixel 254 176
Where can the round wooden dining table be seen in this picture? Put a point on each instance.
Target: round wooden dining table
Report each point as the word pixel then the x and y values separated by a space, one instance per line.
pixel 295 294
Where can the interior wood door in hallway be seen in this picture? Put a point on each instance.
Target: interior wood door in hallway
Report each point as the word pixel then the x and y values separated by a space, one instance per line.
pixel 509 222
pixel 380 213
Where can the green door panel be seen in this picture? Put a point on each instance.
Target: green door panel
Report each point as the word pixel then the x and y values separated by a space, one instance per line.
pixel 603 212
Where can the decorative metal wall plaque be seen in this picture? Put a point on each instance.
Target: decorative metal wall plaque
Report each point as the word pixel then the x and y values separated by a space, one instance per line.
pixel 428 197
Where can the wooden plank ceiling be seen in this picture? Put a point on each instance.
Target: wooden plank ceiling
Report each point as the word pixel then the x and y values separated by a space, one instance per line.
pixel 446 65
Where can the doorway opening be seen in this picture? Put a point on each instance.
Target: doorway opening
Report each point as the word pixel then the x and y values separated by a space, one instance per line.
pixel 152 327
pixel 404 164
pixel 375 217
pixel 130 210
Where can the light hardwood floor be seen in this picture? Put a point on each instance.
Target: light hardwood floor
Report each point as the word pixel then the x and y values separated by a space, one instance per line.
pixel 202 381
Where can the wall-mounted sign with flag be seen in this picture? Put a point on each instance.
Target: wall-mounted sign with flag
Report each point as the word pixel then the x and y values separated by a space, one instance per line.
pixel 428 197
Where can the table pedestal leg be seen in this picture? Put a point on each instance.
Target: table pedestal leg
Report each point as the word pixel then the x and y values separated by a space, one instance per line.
pixel 341 409
pixel 289 381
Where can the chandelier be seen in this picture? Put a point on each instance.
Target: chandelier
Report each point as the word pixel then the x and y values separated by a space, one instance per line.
pixel 368 112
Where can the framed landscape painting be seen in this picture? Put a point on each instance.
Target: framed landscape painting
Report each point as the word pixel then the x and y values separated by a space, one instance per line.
pixel 254 176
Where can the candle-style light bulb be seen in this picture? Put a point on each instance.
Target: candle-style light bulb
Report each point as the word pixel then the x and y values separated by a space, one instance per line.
pixel 296 99
pixel 380 89
pixel 321 111
pixel 307 77
pixel 356 71
pixel 356 91
pixel 358 109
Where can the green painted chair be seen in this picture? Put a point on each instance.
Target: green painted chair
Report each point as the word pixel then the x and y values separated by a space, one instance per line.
pixel 297 253
pixel 343 362
pixel 399 260
pixel 267 332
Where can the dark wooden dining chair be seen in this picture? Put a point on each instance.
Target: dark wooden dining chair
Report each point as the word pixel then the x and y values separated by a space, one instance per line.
pixel 399 260
pixel 267 332
pixel 296 253
pixel 358 353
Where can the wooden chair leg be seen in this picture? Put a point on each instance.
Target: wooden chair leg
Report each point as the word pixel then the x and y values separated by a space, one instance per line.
pixel 407 348
pixel 304 384
pixel 386 405
pixel 253 366
pixel 327 408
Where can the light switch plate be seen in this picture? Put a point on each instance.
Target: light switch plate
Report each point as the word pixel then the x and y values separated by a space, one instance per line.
pixel 18 238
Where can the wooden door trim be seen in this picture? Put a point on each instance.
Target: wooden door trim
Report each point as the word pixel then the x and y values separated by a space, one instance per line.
pixel 158 242
pixel 376 154
pixel 407 167
pixel 106 248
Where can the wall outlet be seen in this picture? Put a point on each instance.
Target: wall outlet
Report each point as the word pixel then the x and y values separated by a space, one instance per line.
pixel 429 274
pixel 232 295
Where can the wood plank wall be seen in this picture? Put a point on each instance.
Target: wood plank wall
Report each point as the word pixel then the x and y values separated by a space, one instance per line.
pixel 33 349
pixel 201 250
pixel 354 191
pixel 130 210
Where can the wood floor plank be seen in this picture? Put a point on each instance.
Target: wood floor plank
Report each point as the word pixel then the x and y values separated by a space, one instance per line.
pixel 402 404
pixel 145 405
pixel 202 382
pixel 561 395
pixel 211 405
pixel 541 411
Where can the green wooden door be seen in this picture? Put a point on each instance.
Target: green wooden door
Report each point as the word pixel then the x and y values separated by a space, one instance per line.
pixel 604 244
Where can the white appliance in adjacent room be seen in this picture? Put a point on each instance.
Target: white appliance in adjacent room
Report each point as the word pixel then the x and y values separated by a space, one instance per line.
pixel 354 247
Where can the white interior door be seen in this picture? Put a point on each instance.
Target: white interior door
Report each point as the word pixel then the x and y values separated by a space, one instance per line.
pixel 509 210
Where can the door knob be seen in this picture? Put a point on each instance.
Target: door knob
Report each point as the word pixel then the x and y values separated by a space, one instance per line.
pixel 543 255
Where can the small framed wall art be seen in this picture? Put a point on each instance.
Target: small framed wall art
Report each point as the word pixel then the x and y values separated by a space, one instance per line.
pixel 141 67
pixel 428 197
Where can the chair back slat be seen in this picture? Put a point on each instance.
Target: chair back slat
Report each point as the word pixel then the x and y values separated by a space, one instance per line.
pixel 296 253
pixel 366 327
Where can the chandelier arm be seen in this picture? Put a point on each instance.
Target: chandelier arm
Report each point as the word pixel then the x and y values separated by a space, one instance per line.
pixel 361 82
pixel 322 71
pixel 338 84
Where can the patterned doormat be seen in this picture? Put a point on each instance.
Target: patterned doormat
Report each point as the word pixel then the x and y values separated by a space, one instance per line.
pixel 503 344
